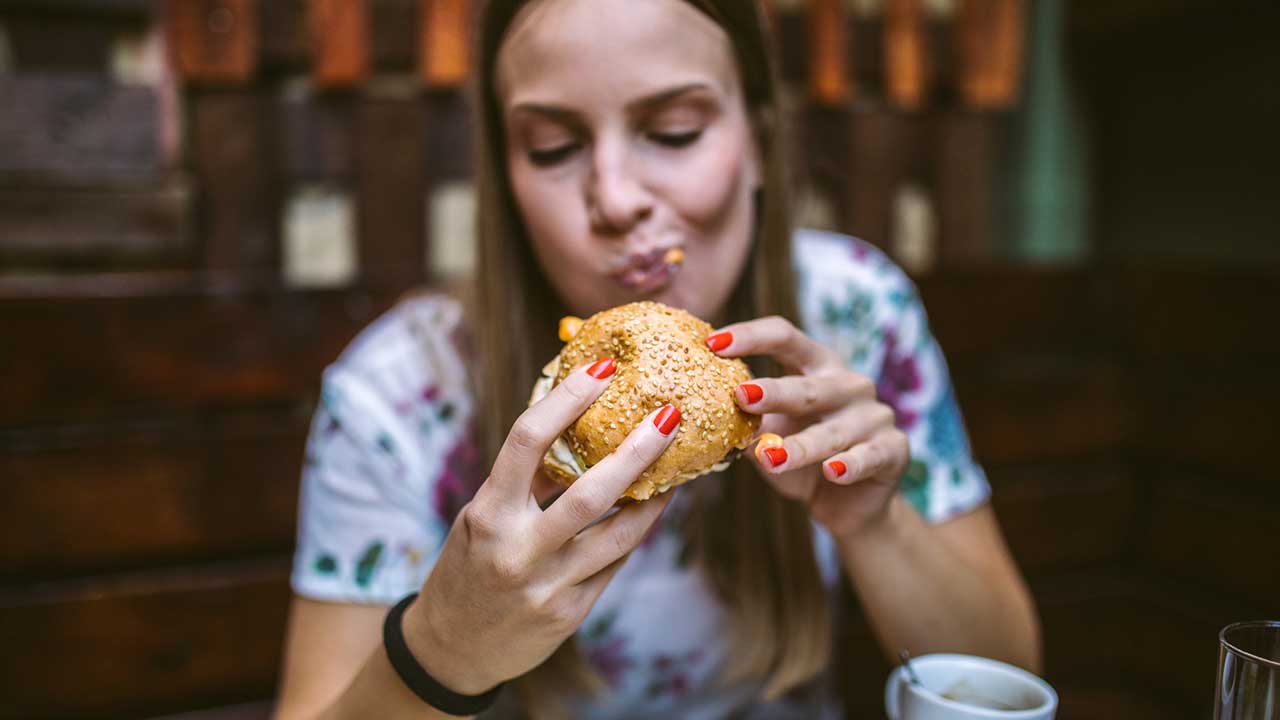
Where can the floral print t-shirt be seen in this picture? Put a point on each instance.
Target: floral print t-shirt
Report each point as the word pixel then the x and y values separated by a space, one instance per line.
pixel 390 461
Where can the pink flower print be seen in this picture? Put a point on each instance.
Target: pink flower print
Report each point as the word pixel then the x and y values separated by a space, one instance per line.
pixel 430 393
pixel 899 375
pixel 610 660
pixel 459 479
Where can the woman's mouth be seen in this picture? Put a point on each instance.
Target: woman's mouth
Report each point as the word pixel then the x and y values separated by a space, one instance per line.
pixel 650 271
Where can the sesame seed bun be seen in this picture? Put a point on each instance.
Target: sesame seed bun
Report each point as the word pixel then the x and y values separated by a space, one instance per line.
pixel 661 358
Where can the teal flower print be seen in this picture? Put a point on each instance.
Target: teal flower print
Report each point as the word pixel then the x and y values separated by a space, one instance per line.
pixel 325 564
pixel 367 565
pixel 915 486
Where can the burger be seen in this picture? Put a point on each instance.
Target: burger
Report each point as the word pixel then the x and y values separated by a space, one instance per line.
pixel 662 358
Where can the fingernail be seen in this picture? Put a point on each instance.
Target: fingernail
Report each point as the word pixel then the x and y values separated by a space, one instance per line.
pixel 667 419
pixel 753 392
pixel 720 341
pixel 838 468
pixel 776 455
pixel 602 369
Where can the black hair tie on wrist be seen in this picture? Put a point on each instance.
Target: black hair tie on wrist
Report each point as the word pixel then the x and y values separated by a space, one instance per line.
pixel 416 678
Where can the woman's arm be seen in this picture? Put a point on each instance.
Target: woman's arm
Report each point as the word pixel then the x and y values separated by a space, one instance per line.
pixel 948 587
pixel 335 667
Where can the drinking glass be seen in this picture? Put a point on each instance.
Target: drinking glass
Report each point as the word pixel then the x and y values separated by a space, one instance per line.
pixel 1248 672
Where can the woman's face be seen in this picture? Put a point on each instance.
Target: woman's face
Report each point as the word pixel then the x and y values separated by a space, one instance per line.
pixel 628 138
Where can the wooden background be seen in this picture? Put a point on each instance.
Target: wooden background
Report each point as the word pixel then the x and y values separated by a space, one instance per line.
pixel 159 372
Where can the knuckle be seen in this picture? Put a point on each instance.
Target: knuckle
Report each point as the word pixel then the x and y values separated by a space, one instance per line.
pixel 861 385
pixel 811 393
pixel 509 569
pixel 583 506
pixel 577 390
pixel 636 454
pixel 479 520
pixel 885 415
pixel 524 433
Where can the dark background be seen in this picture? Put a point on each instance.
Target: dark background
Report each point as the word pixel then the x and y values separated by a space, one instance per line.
pixel 159 372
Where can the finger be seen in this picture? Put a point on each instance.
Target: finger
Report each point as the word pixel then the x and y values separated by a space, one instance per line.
pixel 774 336
pixel 819 441
pixel 802 395
pixel 886 454
pixel 539 426
pixel 592 587
pixel 601 486
pixel 602 544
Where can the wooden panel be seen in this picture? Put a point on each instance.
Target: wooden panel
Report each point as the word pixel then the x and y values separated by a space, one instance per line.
pixel 1124 633
pixel 967 160
pixel 391 191
pixel 77 129
pixel 905 52
pixel 144 227
pixel 213 41
pixel 444 42
pixel 87 358
pixel 991 52
pixel 234 155
pixel 79 499
pixel 1222 415
pixel 1206 533
pixel 392 36
pixel 143 644
pixel 884 149
pixel 40 42
pixel 1066 515
pixel 340 41
pixel 975 313
pixel 317 137
pixel 1202 315
pixel 828 39
pixel 1025 409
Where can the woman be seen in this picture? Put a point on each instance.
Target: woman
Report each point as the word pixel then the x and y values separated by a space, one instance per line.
pixel 612 132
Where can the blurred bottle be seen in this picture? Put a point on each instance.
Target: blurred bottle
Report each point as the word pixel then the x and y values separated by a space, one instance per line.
pixel 1048 194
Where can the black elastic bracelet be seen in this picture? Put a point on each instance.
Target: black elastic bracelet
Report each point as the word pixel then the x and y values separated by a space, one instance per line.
pixel 416 678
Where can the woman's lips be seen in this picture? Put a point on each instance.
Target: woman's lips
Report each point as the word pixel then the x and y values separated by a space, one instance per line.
pixel 647 272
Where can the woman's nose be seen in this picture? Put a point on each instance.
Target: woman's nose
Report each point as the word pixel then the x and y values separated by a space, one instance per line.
pixel 616 199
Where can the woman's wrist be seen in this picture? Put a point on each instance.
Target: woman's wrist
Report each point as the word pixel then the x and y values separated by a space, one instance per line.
pixel 440 654
pixel 883 528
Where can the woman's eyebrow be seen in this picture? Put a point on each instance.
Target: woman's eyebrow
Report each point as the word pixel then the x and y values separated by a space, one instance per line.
pixel 639 105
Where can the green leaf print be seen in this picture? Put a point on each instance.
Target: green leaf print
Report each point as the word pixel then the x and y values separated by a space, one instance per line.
pixel 915 486
pixel 326 564
pixel 368 564
pixel 600 627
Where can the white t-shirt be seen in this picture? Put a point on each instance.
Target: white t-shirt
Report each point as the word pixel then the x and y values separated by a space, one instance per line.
pixel 391 459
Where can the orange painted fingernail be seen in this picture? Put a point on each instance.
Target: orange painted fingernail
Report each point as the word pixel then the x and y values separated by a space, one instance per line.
pixel 720 341
pixel 838 467
pixel 776 455
pixel 753 392
pixel 667 419
pixel 602 369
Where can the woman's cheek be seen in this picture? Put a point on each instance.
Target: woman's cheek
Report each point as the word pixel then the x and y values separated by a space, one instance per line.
pixel 706 190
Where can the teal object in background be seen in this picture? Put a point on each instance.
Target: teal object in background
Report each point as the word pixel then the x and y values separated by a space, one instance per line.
pixel 1048 181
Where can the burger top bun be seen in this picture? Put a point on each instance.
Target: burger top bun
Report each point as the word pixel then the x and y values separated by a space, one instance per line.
pixel 661 358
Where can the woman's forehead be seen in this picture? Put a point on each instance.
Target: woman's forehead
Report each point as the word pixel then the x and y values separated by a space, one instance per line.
pixel 557 50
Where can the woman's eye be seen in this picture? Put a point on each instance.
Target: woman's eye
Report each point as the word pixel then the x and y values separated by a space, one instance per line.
pixel 552 156
pixel 675 139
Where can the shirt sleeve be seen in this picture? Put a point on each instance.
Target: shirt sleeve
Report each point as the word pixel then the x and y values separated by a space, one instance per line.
pixel 381 478
pixel 942 480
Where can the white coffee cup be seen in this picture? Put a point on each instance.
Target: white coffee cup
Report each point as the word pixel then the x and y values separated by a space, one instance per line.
pixel 950 685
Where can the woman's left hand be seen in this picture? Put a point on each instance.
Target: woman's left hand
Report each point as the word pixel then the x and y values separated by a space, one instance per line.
pixel 841 454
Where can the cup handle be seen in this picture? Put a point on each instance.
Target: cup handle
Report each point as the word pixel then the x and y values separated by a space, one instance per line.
pixel 891 693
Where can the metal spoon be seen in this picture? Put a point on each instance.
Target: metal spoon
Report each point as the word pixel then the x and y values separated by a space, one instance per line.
pixel 906 663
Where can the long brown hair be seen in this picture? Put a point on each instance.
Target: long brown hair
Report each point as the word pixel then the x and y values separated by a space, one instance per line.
pixel 755 546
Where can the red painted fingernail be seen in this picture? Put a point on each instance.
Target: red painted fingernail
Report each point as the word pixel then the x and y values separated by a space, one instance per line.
pixel 667 419
pixel 602 369
pixel 776 455
pixel 838 467
pixel 720 341
pixel 753 392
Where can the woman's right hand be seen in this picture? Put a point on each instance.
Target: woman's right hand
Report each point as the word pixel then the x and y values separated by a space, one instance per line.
pixel 513 581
